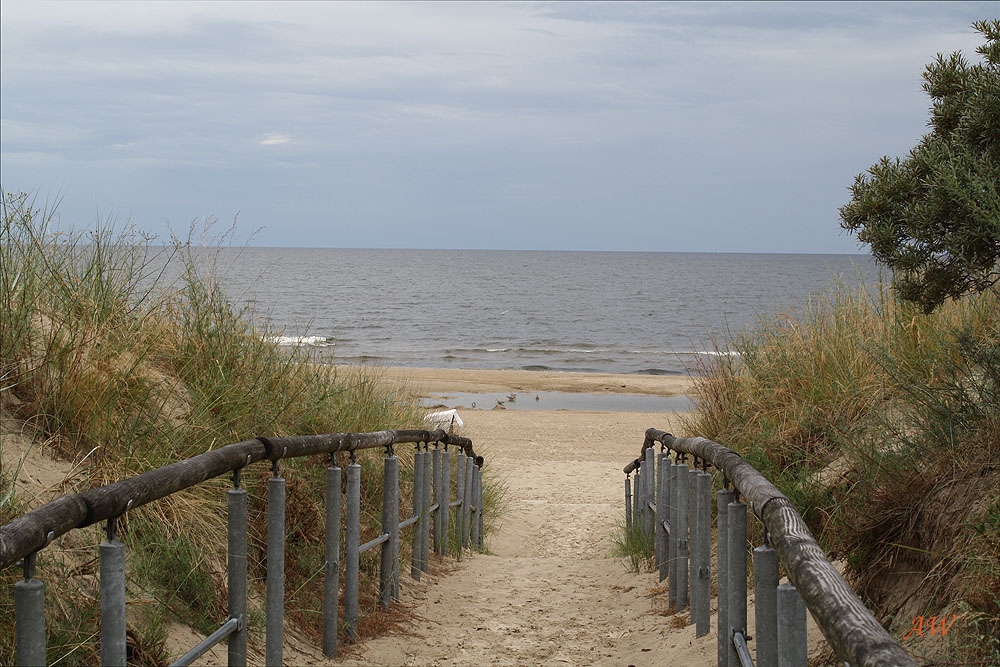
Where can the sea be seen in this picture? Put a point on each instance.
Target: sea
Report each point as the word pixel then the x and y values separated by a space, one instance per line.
pixel 620 312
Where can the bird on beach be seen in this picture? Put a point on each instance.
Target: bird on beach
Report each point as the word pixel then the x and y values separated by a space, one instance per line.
pixel 536 397
pixel 512 397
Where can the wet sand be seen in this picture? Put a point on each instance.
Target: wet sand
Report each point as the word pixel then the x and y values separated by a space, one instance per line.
pixel 421 381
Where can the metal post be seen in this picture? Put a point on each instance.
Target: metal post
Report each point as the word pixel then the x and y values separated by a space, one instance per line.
pixel 792 648
pixel 736 562
pixel 460 495
pixel 390 526
pixel 351 554
pixel 275 595
pixel 692 514
pixel 660 545
pixel 628 503
pixel 470 463
pixel 331 575
pixel 681 480
pixel 482 509
pixel 394 536
pixel 437 498
pixel 637 501
pixel 673 514
pixel 237 571
pixel 477 502
pixel 112 598
pixel 445 501
pixel 418 506
pixel 425 528
pixel 29 616
pixel 640 495
pixel 765 584
pixel 650 495
pixel 703 551
pixel 723 498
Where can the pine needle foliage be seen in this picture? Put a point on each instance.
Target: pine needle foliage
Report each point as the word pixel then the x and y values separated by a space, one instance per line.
pixel 933 217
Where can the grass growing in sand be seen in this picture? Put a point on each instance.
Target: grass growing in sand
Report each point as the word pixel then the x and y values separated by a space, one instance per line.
pixel 882 425
pixel 633 543
pixel 114 372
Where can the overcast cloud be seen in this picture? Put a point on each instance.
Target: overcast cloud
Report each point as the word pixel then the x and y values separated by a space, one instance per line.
pixel 668 127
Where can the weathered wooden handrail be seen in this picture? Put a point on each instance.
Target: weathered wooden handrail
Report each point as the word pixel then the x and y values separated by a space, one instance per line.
pixel 32 531
pixel 23 537
pixel 853 633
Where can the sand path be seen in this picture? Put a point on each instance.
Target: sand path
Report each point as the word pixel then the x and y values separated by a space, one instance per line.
pixel 548 593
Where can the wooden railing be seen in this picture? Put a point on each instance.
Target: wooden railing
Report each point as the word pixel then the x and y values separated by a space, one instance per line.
pixel 670 502
pixel 22 538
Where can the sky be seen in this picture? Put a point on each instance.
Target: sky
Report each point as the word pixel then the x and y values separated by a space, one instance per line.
pixel 690 127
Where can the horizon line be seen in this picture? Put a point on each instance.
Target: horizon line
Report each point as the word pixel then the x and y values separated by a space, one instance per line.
pixel 648 252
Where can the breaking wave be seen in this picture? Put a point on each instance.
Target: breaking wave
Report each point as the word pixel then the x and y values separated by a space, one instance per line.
pixel 314 341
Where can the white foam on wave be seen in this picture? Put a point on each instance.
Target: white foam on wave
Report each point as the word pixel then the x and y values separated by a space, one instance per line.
pixel 300 340
pixel 707 353
pixel 536 350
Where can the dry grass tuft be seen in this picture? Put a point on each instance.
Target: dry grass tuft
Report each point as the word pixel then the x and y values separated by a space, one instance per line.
pixel 127 370
pixel 882 424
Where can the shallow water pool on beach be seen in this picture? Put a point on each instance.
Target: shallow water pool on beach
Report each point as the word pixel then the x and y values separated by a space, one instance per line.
pixel 559 400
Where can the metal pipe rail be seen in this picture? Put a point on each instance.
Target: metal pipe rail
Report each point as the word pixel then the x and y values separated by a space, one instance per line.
pixel 679 525
pixel 23 537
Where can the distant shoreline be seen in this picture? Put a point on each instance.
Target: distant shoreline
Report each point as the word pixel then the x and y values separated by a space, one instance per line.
pixel 421 381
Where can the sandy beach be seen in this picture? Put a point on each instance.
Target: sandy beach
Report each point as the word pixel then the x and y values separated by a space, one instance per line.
pixel 550 591
pixel 421 381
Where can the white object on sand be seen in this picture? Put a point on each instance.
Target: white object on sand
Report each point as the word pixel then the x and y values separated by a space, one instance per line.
pixel 445 418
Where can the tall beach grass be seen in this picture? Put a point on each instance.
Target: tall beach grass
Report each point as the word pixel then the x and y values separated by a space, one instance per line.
pixel 112 368
pixel 882 425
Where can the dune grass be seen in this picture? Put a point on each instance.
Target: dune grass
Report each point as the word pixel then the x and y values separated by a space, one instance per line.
pixel 633 543
pixel 109 363
pixel 882 425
